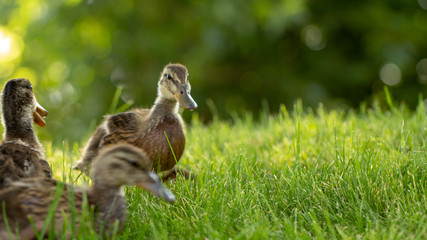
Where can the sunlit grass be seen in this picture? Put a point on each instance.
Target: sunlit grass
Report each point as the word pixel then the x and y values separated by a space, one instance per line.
pixel 301 174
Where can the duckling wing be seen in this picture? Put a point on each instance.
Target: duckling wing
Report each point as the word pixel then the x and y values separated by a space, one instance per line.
pixel 122 121
pixel 20 161
pixel 116 128
pixel 122 127
pixel 13 210
pixel 34 198
pixel 45 169
pixel 8 171
pixel 22 199
pixel 118 136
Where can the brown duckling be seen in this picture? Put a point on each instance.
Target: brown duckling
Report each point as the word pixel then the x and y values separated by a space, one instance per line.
pixel 21 154
pixel 114 167
pixel 150 129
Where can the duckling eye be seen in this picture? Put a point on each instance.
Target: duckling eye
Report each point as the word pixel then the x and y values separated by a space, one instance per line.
pixel 29 87
pixel 168 76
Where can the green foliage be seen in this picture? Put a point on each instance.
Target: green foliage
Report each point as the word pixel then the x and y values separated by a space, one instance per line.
pixel 240 52
pixel 314 174
pixel 324 174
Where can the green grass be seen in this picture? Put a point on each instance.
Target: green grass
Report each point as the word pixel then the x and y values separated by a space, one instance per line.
pixel 312 174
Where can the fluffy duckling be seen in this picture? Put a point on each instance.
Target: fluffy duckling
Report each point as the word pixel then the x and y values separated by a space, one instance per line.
pixel 150 129
pixel 21 154
pixel 115 166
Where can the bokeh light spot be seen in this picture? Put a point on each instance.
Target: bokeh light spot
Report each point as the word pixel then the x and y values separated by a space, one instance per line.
pixel 11 45
pixel 127 96
pixel 55 98
pixel 118 76
pixel 58 71
pixel 390 74
pixel 315 92
pixel 5 43
pixel 72 2
pixel 423 4
pixel 96 35
pixel 38 10
pixel 313 37
pixel 83 75
pixel 214 40
pixel 422 70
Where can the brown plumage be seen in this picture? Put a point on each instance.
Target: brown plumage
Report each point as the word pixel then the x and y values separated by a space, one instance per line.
pixel 150 129
pixel 115 166
pixel 21 154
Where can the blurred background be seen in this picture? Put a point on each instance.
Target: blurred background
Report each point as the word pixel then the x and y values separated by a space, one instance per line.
pixel 242 55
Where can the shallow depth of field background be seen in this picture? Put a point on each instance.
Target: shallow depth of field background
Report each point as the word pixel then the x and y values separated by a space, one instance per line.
pixel 311 121
pixel 242 55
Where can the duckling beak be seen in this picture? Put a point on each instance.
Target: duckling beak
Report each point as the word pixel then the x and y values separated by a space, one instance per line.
pixel 39 114
pixel 185 100
pixel 154 186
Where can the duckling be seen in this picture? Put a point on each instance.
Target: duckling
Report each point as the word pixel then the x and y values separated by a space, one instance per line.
pixel 21 154
pixel 114 167
pixel 154 130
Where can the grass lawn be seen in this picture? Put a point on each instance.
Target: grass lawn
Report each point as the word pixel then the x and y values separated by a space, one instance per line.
pixel 311 174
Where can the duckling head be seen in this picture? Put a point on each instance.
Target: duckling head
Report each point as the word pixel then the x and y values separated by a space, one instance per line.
pixel 124 164
pixel 19 103
pixel 174 85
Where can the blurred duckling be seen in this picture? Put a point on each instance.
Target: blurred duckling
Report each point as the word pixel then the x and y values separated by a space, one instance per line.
pixel 21 154
pixel 150 129
pixel 114 167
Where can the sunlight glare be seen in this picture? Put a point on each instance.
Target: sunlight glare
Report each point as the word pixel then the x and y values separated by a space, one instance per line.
pixel 5 44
